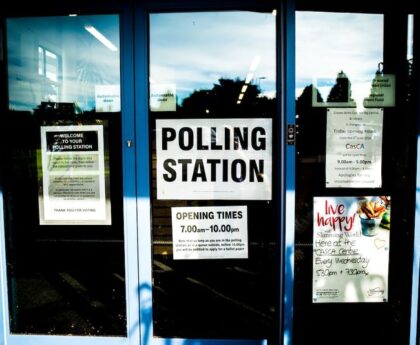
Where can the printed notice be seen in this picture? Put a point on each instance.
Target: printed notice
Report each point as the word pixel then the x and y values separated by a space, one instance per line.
pixel 354 148
pixel 107 98
pixel 73 176
pixel 382 92
pixel 162 97
pixel 219 232
pixel 351 249
pixel 214 159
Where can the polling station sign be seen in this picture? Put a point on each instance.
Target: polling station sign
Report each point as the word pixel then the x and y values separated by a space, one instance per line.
pixel 214 159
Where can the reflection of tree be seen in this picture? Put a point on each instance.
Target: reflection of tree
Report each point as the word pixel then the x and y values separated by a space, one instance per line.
pixel 310 147
pixel 222 100
pixel 310 123
pixel 88 75
pixel 341 91
pixel 304 102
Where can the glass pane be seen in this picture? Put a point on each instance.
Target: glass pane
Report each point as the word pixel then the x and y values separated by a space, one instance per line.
pixel 79 59
pixel 213 103
pixel 62 177
pixel 353 166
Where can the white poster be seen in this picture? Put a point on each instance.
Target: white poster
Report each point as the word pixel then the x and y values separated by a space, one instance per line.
pixel 107 98
pixel 382 92
pixel 354 148
pixel 214 159
pixel 162 97
pixel 219 232
pixel 351 249
pixel 73 176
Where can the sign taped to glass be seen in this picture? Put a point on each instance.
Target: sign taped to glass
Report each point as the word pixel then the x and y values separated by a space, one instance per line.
pixel 73 176
pixel 211 159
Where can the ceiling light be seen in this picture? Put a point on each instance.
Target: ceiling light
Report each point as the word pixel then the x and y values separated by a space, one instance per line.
pixel 101 38
pixel 249 77
pixel 255 62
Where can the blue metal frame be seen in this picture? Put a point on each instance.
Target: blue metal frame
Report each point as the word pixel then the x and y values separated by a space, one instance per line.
pixel 416 259
pixel 416 250
pixel 130 221
pixel 289 169
pixel 3 309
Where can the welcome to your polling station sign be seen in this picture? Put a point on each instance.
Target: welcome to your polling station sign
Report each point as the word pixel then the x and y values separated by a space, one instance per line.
pixel 214 159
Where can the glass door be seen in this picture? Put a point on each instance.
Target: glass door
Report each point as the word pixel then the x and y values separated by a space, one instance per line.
pixel 67 224
pixel 213 114
pixel 356 142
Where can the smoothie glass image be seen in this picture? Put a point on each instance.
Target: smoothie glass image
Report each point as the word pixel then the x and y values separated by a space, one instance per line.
pixel 371 213
pixel 370 226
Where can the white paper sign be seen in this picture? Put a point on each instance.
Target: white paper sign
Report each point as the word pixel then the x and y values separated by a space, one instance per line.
pixel 354 148
pixel 162 97
pixel 107 98
pixel 210 159
pixel 219 232
pixel 351 249
pixel 382 93
pixel 73 176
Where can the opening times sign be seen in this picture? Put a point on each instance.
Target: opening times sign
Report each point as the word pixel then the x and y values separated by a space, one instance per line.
pixel 351 249
pixel 73 176
pixel 218 232
pixel 214 159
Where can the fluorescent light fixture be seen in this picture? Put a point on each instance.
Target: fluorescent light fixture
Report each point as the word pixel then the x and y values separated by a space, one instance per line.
pixel 244 88
pixel 249 77
pixel 410 31
pixel 101 38
pixel 238 102
pixel 72 15
pixel 274 13
pixel 240 96
pixel 255 62
pixel 50 55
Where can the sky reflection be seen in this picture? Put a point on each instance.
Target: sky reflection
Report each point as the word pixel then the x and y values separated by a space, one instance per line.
pixel 327 43
pixel 193 50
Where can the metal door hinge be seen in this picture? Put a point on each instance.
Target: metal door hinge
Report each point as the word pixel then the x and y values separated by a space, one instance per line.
pixel 291 134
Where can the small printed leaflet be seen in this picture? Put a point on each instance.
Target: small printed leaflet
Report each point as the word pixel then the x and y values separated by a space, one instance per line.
pixel 354 148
